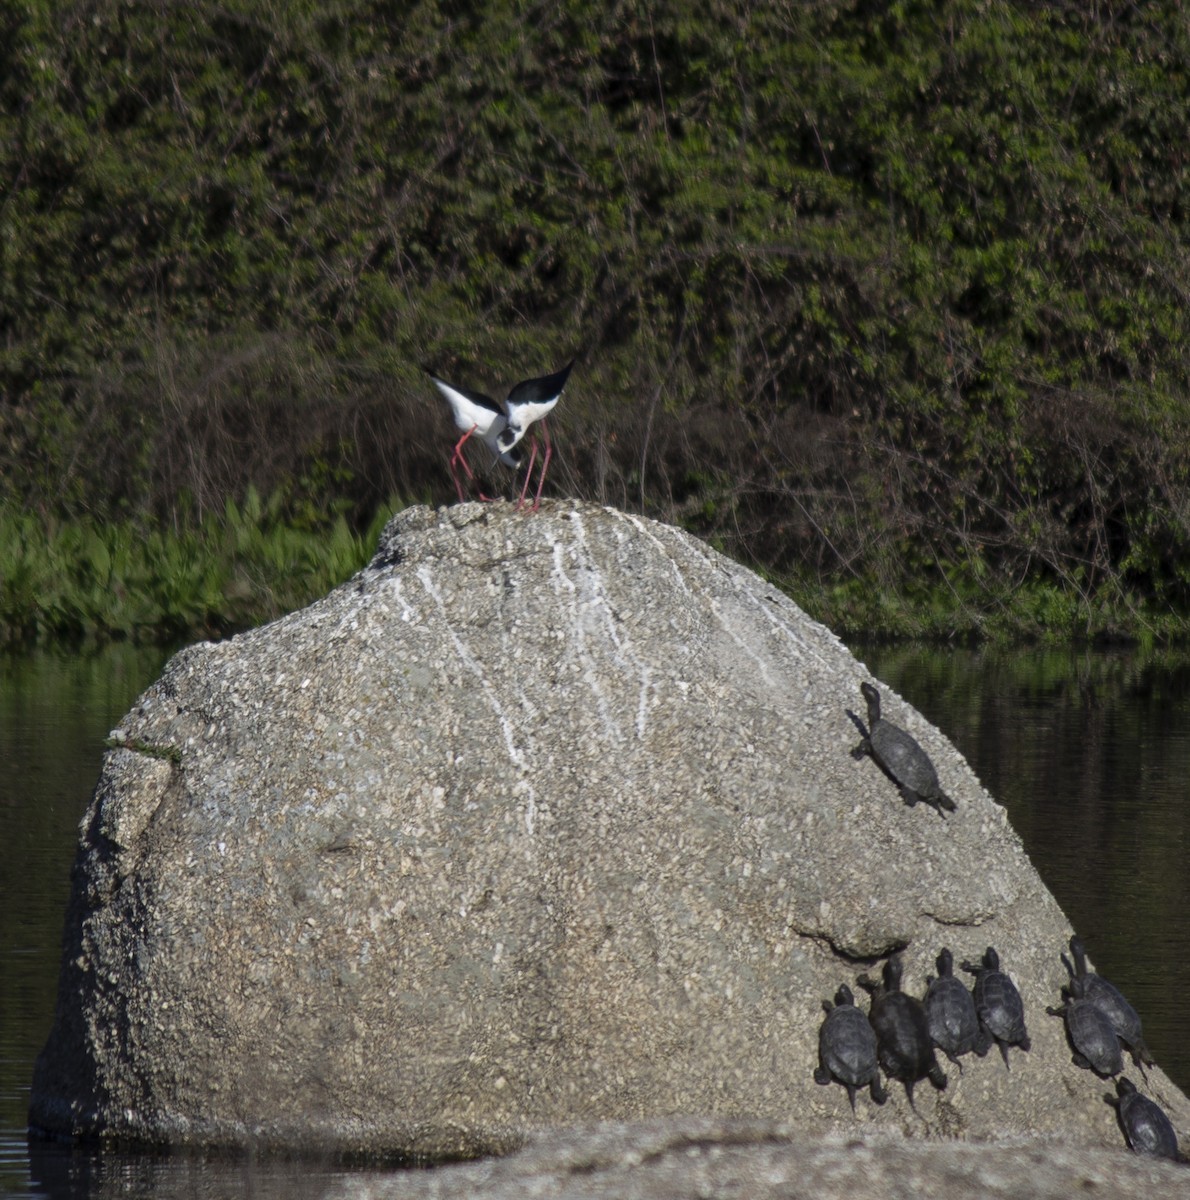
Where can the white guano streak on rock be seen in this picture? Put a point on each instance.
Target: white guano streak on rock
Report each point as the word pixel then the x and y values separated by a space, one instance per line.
pixel 625 647
pixel 640 527
pixel 624 655
pixel 469 661
pixel 783 626
pixel 739 641
pixel 562 581
pixel 408 612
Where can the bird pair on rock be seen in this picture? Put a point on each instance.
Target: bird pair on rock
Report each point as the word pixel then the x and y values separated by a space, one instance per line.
pixel 501 426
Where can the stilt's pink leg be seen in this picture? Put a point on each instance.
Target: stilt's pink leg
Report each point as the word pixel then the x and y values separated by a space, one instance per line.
pixel 457 457
pixel 529 473
pixel 545 462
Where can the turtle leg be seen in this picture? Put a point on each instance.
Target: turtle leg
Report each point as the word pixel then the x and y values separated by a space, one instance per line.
pixel 822 1075
pixel 864 747
pixel 938 1077
pixel 1140 1056
pixel 939 802
pixel 909 795
pixel 876 1089
pixel 1004 1053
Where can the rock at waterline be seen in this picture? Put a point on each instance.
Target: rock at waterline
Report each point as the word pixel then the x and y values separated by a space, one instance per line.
pixel 538 819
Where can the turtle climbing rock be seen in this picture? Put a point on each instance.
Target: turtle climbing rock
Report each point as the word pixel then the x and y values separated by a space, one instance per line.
pixel 899 756
pixel 903 1044
pixel 998 1004
pixel 950 1013
pixel 1110 1000
pixel 847 1049
pixel 1090 1031
pixel 1146 1127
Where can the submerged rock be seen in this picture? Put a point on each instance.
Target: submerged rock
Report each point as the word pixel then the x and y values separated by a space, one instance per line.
pixel 539 819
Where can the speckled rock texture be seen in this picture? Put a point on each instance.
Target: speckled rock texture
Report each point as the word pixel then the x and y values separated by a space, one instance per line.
pixel 540 819
pixel 684 1158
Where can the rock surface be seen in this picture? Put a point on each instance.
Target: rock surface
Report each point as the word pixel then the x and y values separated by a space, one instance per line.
pixel 540 819
pixel 663 1160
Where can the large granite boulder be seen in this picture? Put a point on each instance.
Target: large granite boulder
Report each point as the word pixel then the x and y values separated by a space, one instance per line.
pixel 539 819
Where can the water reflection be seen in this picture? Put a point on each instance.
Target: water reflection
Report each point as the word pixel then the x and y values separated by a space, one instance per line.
pixel 55 711
pixel 64 1172
pixel 1089 751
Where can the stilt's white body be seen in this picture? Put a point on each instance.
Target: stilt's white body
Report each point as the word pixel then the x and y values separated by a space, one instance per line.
pixel 486 421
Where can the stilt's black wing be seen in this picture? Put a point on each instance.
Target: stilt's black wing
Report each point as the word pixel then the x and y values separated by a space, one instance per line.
pixel 544 390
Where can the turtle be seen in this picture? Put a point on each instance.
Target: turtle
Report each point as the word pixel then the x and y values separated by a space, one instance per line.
pixel 1110 1000
pixel 899 756
pixel 903 1044
pixel 950 1013
pixel 998 1004
pixel 1146 1127
pixel 847 1048
pixel 1090 1031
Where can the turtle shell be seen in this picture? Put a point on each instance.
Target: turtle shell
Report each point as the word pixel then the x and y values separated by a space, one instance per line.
pixel 898 754
pixel 903 1044
pixel 1146 1127
pixel 1108 998
pixel 847 1048
pixel 950 1013
pixel 998 1004
pixel 1093 1038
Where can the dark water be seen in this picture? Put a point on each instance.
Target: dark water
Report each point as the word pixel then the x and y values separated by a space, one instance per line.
pixel 1089 752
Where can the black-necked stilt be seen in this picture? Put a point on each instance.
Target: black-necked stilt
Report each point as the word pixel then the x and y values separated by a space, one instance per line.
pixel 532 400
pixel 501 426
pixel 475 413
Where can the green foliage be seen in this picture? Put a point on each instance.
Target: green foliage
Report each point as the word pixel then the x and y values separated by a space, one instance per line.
pixel 883 293
pixel 92 580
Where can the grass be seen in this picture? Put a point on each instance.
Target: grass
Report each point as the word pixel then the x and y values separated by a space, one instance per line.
pixel 89 580
pixel 1032 612
pixel 93 581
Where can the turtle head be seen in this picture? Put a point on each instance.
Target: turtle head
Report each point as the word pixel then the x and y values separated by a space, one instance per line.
pixel 869 985
pixel 1079 953
pixel 872 696
pixel 892 973
pixel 843 996
pixel 944 962
pixel 991 959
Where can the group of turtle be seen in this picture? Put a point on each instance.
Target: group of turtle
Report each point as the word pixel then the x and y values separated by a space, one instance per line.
pixel 1101 1024
pixel 901 1033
